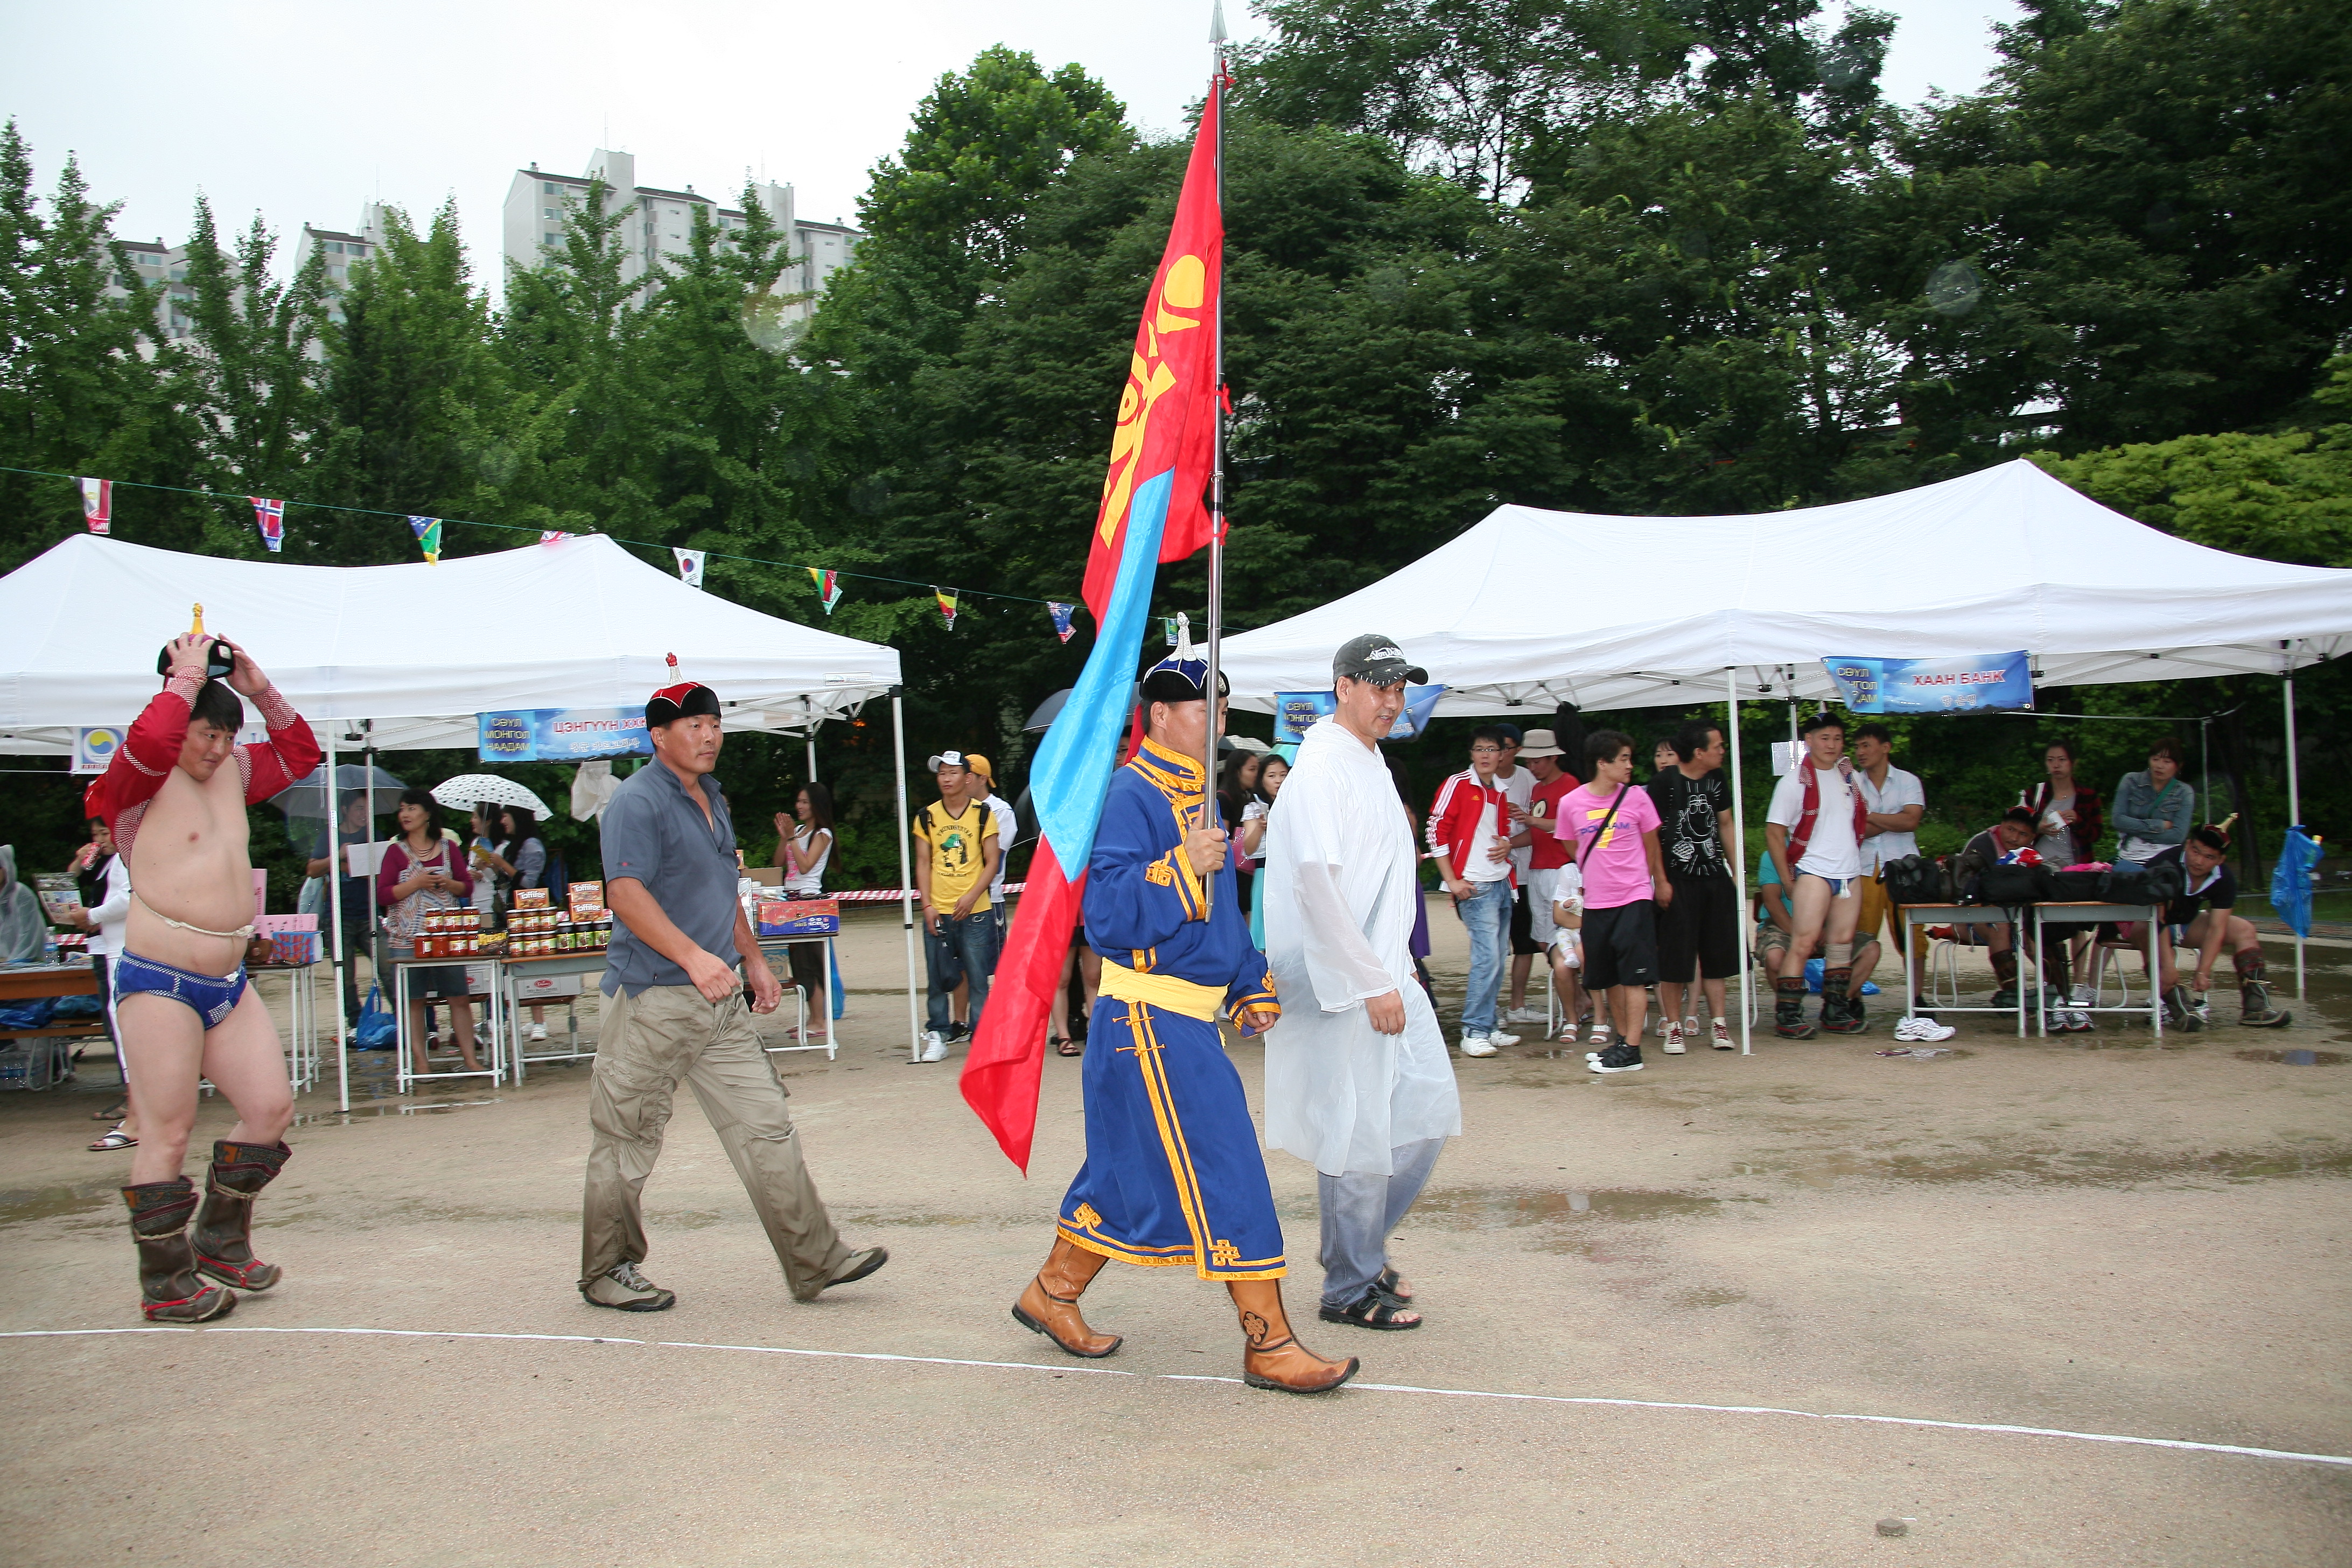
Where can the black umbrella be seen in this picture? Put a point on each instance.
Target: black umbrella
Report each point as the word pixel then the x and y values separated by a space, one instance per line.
pixel 308 798
pixel 1048 712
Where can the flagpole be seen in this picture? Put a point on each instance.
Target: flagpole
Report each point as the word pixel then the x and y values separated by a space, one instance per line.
pixel 1213 730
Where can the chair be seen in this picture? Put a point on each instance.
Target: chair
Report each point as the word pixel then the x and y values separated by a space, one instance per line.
pixel 2114 952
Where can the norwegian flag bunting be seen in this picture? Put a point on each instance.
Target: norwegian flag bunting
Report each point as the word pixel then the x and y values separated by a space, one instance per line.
pixel 270 516
pixel 689 565
pixel 828 587
pixel 946 605
pixel 1061 613
pixel 428 538
pixel 98 504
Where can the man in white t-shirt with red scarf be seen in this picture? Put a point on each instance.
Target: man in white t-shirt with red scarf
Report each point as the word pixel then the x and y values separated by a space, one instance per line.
pixel 1813 833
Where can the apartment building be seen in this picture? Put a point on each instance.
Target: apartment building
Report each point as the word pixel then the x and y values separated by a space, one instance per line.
pixel 538 200
pixel 340 249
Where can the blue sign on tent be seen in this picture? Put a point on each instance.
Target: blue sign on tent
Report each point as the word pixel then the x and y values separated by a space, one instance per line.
pixel 1971 683
pixel 1295 712
pixel 562 734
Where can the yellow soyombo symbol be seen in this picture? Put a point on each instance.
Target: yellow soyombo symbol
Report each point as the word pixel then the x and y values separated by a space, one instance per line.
pixel 1147 380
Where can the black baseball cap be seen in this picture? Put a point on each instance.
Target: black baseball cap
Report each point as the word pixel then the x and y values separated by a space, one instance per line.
pixel 1375 658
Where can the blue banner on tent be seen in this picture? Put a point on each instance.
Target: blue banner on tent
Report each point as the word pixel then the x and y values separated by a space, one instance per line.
pixel 1295 712
pixel 1972 683
pixel 562 734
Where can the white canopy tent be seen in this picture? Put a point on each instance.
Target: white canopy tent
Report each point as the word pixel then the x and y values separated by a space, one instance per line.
pixel 398 658
pixel 1530 608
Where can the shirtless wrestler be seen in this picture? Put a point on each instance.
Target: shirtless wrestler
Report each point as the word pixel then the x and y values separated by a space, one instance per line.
pixel 175 799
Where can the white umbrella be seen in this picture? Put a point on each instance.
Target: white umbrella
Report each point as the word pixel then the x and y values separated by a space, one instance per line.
pixel 469 790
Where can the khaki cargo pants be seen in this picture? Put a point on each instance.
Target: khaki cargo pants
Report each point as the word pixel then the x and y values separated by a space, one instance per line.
pixel 650 1042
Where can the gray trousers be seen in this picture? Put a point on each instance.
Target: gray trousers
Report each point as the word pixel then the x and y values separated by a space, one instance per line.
pixel 650 1043
pixel 1360 1210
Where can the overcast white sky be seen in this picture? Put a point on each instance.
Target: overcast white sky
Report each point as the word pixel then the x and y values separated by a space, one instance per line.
pixel 304 111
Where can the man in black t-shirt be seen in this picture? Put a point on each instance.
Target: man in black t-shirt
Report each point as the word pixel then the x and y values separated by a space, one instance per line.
pixel 1700 929
pixel 2202 919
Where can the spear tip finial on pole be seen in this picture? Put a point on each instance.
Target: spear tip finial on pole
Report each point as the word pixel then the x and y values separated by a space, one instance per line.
pixel 1216 21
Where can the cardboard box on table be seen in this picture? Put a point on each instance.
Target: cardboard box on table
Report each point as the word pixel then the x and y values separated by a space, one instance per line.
pixel 796 917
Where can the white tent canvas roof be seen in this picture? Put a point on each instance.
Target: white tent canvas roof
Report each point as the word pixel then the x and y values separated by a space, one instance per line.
pixel 420 649
pixel 1533 608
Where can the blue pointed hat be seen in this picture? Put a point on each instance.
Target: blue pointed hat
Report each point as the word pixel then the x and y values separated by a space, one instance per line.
pixel 1183 675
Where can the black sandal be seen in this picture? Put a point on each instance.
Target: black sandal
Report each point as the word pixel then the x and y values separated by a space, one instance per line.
pixel 1069 1047
pixel 1374 1310
pixel 1386 1285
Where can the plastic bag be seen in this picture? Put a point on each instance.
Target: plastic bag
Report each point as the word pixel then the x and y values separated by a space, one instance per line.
pixel 376 1029
pixel 2291 882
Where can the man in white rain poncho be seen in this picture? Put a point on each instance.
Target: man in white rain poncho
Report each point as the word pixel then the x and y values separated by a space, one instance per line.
pixel 1356 1078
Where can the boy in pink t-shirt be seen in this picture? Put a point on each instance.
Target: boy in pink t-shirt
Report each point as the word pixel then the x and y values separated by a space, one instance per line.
pixel 1624 886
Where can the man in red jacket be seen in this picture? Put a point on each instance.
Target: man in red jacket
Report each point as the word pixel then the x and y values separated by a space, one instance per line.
pixel 1471 837
pixel 175 799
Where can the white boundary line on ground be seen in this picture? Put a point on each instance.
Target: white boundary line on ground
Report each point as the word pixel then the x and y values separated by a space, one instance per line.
pixel 1998 1427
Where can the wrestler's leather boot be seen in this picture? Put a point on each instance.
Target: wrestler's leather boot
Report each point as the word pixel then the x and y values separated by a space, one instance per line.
pixel 2254 1009
pixel 1271 1356
pixel 168 1290
pixel 1788 1008
pixel 224 1240
pixel 1050 1305
pixel 1841 1011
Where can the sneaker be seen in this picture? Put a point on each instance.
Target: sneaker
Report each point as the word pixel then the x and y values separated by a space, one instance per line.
pixel 1526 1015
pixel 624 1290
pixel 2083 996
pixel 539 1031
pixel 1616 1058
pixel 2077 1022
pixel 935 1047
pixel 1674 1039
pixel 2203 1011
pixel 2004 997
pixel 955 1032
pixel 1917 1030
pixel 1720 1036
pixel 1497 1037
pixel 1478 1045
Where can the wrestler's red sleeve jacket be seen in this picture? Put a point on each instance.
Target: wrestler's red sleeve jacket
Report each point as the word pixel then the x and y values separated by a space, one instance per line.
pixel 152 749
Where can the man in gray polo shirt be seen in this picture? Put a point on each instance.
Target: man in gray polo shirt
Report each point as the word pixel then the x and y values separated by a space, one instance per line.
pixel 674 1011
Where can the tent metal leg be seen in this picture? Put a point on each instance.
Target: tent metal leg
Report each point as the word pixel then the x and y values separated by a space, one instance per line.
pixel 333 806
pixel 811 749
pixel 1739 871
pixel 2293 801
pixel 906 877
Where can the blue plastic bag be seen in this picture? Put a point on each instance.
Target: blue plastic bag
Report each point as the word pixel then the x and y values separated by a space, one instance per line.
pixel 840 993
pixel 32 1014
pixel 376 1029
pixel 2291 881
pixel 1813 967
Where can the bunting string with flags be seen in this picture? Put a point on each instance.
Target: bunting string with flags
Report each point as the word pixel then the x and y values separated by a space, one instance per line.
pixel 270 516
pixel 1162 449
pixel 828 587
pixel 689 565
pixel 1061 613
pixel 946 605
pixel 429 537
pixel 98 504
pixel 553 536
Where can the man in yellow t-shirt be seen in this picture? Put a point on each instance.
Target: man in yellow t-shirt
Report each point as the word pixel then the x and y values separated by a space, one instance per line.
pixel 956 857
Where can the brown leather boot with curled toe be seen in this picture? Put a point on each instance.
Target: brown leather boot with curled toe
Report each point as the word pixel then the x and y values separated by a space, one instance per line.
pixel 1050 1305
pixel 1271 1356
pixel 169 1288
pixel 223 1238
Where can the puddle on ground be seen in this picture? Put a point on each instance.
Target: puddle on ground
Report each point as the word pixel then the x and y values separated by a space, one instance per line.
pixel 2296 1059
pixel 392 1105
pixel 57 1203
pixel 2104 1168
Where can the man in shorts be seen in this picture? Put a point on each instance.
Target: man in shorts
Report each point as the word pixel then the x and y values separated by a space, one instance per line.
pixel 2201 920
pixel 1701 927
pixel 1776 930
pixel 175 799
pixel 1813 832
pixel 1547 856
pixel 1614 828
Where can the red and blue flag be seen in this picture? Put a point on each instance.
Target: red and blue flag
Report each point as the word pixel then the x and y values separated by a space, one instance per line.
pixel 1161 449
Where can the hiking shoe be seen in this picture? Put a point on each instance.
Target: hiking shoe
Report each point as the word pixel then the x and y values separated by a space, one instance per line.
pixel 1674 1039
pixel 1916 1030
pixel 1616 1058
pixel 1478 1045
pixel 624 1290
pixel 1720 1036
pixel 935 1047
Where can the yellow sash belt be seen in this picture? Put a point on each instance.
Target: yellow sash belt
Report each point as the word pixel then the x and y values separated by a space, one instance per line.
pixel 1188 997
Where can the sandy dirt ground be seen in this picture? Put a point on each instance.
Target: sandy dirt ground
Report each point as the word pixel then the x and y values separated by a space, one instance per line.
pixel 1650 1300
